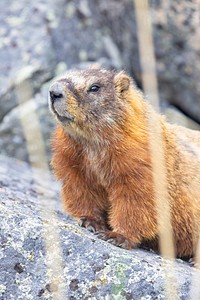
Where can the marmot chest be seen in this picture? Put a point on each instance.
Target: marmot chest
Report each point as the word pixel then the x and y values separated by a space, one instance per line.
pixel 99 165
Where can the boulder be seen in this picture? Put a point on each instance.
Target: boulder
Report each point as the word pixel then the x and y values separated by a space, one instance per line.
pixel 25 49
pixel 20 121
pixel 44 254
pixel 175 116
pixel 177 51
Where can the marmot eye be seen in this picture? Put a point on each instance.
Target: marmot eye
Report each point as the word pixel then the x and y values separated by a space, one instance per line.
pixel 94 88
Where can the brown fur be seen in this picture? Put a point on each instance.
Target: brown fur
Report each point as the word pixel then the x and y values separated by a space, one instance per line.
pixel 102 157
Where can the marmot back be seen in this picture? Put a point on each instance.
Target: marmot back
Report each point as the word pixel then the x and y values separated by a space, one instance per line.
pixel 101 155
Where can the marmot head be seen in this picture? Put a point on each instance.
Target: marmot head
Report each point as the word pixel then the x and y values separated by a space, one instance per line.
pixel 91 101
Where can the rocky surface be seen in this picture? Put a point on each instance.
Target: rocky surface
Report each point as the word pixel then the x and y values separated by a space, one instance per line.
pixel 91 268
pixel 177 49
pixel 174 116
pixel 12 126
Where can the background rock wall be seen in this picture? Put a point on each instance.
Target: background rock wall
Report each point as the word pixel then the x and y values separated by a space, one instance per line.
pixel 40 39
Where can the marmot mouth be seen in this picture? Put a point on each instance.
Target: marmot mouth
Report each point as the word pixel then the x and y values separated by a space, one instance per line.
pixel 61 118
pixel 64 119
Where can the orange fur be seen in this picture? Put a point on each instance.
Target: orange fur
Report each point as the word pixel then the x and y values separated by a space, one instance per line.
pixel 106 168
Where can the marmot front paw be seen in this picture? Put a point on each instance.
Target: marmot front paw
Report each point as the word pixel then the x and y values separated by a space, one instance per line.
pixel 117 239
pixel 93 224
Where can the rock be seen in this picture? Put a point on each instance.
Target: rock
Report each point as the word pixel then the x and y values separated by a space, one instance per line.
pixel 22 89
pixel 105 38
pixel 23 48
pixel 89 268
pixel 30 117
pixel 177 50
pixel 175 116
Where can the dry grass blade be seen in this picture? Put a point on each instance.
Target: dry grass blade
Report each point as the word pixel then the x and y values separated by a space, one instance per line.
pixel 37 157
pixel 149 80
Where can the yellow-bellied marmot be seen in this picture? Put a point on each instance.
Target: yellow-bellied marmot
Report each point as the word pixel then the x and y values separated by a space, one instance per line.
pixel 101 155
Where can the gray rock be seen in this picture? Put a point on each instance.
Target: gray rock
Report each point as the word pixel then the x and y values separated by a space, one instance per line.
pixel 25 44
pixel 175 116
pixel 22 89
pixel 20 119
pixel 92 269
pixel 177 50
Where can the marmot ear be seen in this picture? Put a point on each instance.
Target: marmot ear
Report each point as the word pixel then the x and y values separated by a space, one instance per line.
pixel 121 81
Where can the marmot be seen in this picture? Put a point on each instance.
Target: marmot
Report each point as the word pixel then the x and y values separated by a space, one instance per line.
pixel 101 155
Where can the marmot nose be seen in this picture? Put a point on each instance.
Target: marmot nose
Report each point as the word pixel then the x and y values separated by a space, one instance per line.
pixel 56 92
pixel 54 95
